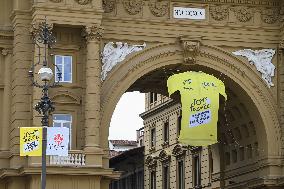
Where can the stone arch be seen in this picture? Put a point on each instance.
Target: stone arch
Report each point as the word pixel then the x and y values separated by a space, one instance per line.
pixel 242 75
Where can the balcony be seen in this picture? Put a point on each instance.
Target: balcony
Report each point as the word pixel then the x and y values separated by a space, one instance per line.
pixel 74 158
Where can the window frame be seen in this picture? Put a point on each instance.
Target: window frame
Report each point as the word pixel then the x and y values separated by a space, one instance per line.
pixel 180 174
pixel 63 68
pixel 153 137
pixel 166 176
pixel 153 179
pixel 166 133
pixel 61 122
pixel 196 169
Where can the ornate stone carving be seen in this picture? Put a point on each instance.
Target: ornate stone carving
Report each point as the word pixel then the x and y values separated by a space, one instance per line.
pixel 262 59
pixel 219 12
pixel 56 1
pixel 83 2
pixel 270 15
pixel 92 32
pixel 159 8
pixel 191 49
pixel 5 52
pixel 195 149
pixel 108 5
pixel 243 14
pixel 133 6
pixel 151 162
pixel 281 44
pixel 111 55
pixel 179 151
pixel 164 156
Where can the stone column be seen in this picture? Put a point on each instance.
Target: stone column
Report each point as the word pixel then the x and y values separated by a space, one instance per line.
pixel 21 84
pixel 92 148
pixel 6 100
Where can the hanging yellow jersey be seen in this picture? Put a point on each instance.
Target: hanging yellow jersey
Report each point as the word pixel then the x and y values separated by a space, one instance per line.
pixel 200 103
pixel 30 141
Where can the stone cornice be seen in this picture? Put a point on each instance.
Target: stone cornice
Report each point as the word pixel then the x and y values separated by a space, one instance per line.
pixel 6 35
pixel 238 2
pixel 56 170
pixel 157 109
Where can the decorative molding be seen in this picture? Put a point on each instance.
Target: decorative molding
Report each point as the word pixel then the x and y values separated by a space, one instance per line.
pixel 242 13
pixel 66 98
pixel 195 149
pixel 5 52
pixel 262 59
pixel 111 55
pixel 83 2
pixel 219 12
pixel 56 1
pixel 191 49
pixel 108 5
pixel 133 7
pixel 270 15
pixel 159 8
pixel 93 32
pixel 179 151
pixel 275 3
pixel 281 45
pixel 151 162
pixel 164 157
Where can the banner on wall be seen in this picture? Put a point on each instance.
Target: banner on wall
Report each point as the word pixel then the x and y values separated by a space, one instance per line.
pixel 30 141
pixel 200 104
pixel 57 141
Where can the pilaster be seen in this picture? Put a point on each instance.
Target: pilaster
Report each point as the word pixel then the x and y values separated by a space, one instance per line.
pixel 21 85
pixel 92 148
pixel 7 53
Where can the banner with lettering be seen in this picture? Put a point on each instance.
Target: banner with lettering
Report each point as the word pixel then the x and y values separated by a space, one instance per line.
pixel 200 103
pixel 57 141
pixel 30 141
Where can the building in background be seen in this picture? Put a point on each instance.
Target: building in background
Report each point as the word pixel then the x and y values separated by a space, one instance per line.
pixel 171 165
pixel 131 165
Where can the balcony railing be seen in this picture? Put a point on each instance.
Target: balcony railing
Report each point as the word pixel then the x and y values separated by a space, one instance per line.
pixel 74 158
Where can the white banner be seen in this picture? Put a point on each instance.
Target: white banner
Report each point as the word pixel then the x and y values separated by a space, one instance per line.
pixel 57 141
pixel 189 13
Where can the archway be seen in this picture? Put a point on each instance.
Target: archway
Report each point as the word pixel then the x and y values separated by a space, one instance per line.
pixel 148 72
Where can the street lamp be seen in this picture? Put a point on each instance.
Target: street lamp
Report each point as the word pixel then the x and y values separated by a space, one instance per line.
pixel 43 39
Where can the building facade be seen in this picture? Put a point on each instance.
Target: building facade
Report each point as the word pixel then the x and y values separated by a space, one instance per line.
pixel 169 164
pixel 92 36
pixel 131 165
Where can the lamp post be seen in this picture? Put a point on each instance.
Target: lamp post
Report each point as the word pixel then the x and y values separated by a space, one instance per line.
pixel 43 39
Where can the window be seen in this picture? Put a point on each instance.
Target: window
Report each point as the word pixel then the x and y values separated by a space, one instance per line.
pixel 153 137
pixel 227 158
pixel 64 64
pixel 166 177
pixel 64 120
pixel 196 171
pixel 153 180
pixel 256 149
pixel 234 156
pixel 180 174
pixel 242 153
pixel 178 125
pixel 166 131
pixel 153 97
pixel 249 151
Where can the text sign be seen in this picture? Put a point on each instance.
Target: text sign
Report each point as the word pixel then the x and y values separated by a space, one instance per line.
pixel 189 13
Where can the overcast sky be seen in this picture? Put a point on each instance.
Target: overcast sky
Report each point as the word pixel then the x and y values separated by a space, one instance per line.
pixel 125 119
